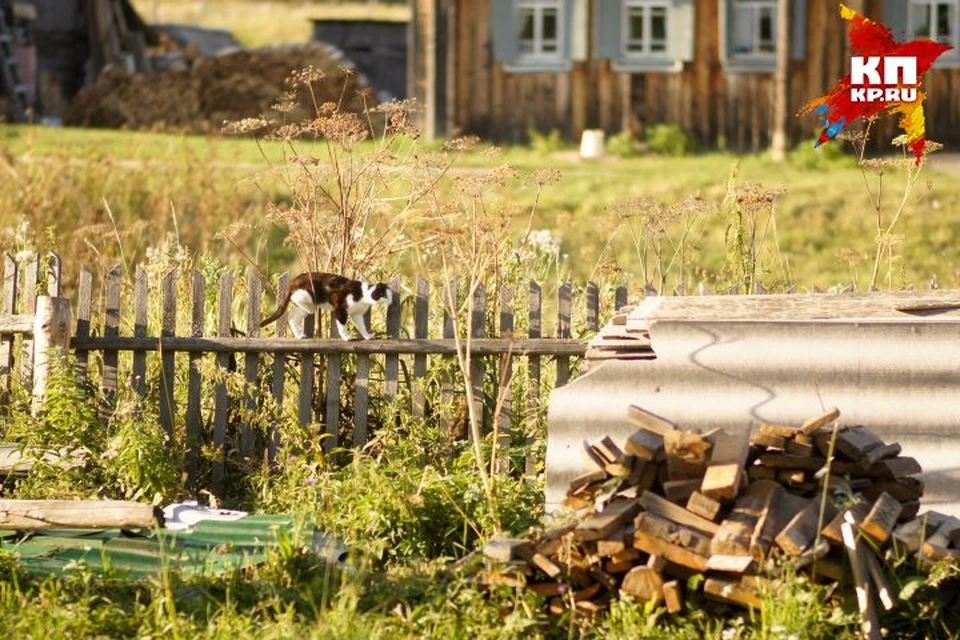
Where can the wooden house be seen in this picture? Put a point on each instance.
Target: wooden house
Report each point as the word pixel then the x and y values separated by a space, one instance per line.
pixel 497 68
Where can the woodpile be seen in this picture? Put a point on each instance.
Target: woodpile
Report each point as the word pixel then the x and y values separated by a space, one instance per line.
pixel 207 92
pixel 834 501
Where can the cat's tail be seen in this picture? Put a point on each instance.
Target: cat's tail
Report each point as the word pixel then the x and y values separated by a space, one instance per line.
pixel 281 308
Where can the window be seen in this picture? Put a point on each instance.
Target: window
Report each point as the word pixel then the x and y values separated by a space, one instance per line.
pixel 539 29
pixel 754 27
pixel 936 20
pixel 645 27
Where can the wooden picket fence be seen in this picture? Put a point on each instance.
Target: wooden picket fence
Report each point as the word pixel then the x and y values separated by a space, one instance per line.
pixel 319 388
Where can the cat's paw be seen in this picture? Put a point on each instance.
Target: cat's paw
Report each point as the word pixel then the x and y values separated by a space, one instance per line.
pixel 372 336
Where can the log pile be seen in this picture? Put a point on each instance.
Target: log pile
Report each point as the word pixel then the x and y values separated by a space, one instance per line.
pixel 834 501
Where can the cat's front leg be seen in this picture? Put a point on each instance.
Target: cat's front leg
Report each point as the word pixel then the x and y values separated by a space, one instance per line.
pixel 295 319
pixel 362 327
pixel 342 330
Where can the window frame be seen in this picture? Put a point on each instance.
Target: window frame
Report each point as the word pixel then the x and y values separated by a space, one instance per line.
pixel 538 56
pixel 951 58
pixel 754 5
pixel 646 6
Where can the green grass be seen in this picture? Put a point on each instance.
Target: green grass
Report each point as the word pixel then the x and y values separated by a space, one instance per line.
pixel 823 211
pixel 257 23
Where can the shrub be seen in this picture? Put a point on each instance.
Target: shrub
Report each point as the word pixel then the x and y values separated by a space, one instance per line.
pixel 670 140
pixel 806 156
pixel 545 143
pixel 622 145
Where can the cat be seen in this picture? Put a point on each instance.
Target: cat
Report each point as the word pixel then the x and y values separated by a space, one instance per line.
pixel 346 297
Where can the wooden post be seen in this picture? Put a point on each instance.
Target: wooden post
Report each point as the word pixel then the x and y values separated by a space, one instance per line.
pixel 30 267
pixel 84 314
pixel 533 363
pixel 392 361
pixel 195 380
pixel 781 83
pixel 111 329
pixel 51 340
pixel 221 401
pixel 251 361
pixel 476 361
pixel 168 329
pixel 140 294
pixel 7 308
pixel 505 387
pixel 421 324
pixel 564 305
pixel 279 362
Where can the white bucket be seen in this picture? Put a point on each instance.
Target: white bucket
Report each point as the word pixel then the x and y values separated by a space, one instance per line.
pixel 591 144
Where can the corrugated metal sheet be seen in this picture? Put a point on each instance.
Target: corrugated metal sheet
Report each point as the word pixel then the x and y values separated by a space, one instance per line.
pixel 896 371
pixel 209 547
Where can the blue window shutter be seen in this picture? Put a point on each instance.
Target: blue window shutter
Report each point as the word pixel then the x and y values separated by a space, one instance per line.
pixel 680 30
pixel 798 38
pixel 568 18
pixel 895 17
pixel 503 22
pixel 609 29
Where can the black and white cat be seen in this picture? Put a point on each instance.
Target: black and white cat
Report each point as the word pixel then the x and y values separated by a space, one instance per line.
pixel 347 298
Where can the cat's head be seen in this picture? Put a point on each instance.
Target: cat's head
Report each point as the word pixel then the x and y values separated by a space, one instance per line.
pixel 378 293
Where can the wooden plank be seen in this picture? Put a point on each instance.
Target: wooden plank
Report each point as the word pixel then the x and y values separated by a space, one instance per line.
pixel 679 491
pixel 856 442
pixel 730 564
pixel 781 507
pixel 725 471
pixel 32 515
pixel 676 543
pixel 7 307
pixel 221 402
pixel 812 425
pixel 111 328
pixel 732 591
pixel 28 305
pixel 535 310
pixel 251 361
pixel 735 537
pixel 686 454
pixel 168 328
pixel 644 584
pixel 443 347
pixel 564 309
pixel 195 379
pixel 505 384
pixel 640 417
pixel 662 507
pixel 645 445
pixel 84 316
pixel 703 506
pixel 391 371
pixel 421 323
pixel 602 525
pixel 803 529
pixel 140 330
pixel 54 275
pixel 882 518
pixel 477 369
pixel 278 369
pixel 673 596
pixel 331 414
pixel 508 549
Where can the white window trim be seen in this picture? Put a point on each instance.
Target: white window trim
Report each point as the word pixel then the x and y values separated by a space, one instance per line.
pixel 538 58
pixel 646 54
pixel 756 55
pixel 950 59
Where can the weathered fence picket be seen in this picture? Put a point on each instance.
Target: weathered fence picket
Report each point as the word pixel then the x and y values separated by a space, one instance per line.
pixel 7 307
pixel 533 385
pixel 564 309
pixel 421 321
pixel 221 401
pixel 31 269
pixel 168 329
pixel 279 368
pixel 198 305
pixel 111 329
pixel 325 366
pixel 251 361
pixel 140 313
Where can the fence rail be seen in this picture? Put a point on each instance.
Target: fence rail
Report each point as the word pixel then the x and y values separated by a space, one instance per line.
pixel 318 378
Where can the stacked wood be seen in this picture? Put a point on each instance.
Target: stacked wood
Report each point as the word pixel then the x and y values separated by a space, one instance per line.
pixel 667 503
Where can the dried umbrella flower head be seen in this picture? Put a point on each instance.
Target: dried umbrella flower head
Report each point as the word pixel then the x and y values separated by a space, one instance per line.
pixel 344 128
pixel 247 125
pixel 753 196
pixel 305 77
